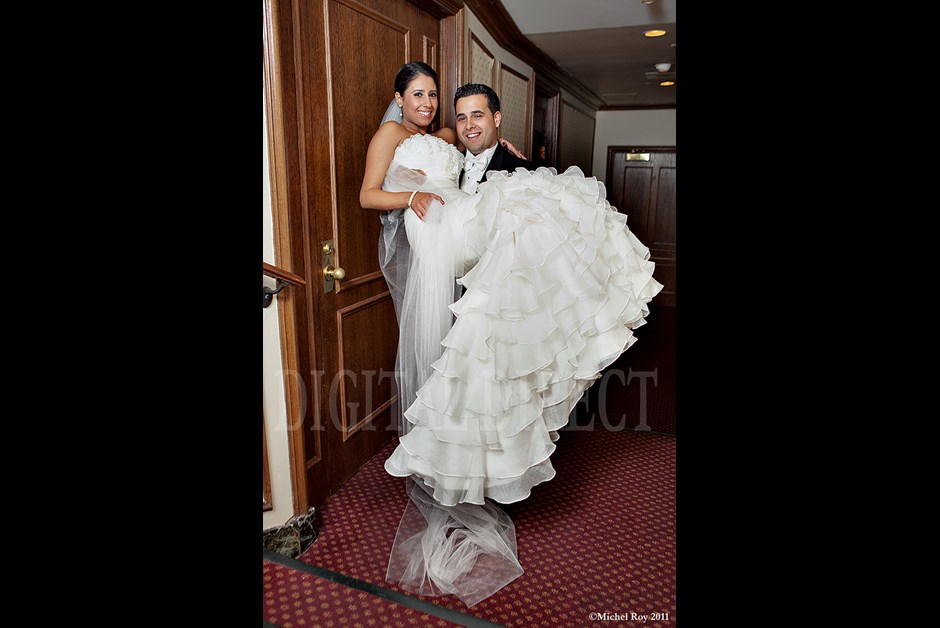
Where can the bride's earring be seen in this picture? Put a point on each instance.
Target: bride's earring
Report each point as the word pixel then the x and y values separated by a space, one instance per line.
pixel 400 113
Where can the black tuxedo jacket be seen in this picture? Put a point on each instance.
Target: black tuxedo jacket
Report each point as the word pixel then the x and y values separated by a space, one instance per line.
pixel 502 159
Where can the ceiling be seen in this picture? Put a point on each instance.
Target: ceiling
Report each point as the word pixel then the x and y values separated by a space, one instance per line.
pixel 601 43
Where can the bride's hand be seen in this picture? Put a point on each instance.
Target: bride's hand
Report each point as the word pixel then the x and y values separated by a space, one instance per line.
pixel 512 149
pixel 421 202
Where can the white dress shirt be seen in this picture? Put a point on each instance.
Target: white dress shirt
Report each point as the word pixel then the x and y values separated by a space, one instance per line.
pixel 475 167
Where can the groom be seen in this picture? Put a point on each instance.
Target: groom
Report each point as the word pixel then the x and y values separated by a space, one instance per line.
pixel 478 117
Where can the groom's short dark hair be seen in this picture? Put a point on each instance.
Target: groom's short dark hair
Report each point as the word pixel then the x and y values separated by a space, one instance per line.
pixel 472 89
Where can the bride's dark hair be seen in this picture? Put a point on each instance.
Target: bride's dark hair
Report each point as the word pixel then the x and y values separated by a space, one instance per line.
pixel 409 71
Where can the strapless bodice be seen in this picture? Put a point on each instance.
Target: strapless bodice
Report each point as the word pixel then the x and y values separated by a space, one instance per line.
pixel 440 161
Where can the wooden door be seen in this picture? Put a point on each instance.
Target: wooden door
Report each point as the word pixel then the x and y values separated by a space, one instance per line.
pixel 641 182
pixel 335 64
pixel 545 125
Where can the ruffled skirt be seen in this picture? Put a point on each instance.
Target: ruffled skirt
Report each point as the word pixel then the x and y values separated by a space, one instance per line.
pixel 556 285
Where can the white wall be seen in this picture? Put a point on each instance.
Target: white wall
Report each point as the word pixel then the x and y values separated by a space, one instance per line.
pixel 646 127
pixel 275 408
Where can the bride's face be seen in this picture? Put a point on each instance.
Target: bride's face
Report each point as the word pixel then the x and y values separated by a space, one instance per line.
pixel 419 102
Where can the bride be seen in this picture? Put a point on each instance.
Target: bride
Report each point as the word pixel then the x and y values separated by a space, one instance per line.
pixel 510 303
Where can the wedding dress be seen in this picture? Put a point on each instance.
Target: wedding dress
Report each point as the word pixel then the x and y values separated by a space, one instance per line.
pixel 553 284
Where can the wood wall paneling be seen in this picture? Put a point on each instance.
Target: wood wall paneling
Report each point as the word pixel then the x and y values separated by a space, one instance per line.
pixel 452 57
pixel 482 63
pixel 545 125
pixel 367 362
pixel 515 95
pixel 498 23
pixel 429 56
pixel 439 8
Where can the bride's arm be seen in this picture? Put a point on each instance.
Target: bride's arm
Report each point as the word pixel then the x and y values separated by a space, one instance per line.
pixel 380 154
pixel 512 149
pixel 381 150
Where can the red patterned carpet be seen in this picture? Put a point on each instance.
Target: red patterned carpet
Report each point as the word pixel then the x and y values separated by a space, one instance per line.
pixel 598 538
pixel 293 599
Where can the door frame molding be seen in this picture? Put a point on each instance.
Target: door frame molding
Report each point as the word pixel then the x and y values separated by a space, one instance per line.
pixel 296 321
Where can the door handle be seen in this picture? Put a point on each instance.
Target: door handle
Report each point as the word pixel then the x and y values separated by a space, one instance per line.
pixel 330 272
pixel 335 273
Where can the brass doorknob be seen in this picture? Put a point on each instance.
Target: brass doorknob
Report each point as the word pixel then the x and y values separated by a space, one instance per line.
pixel 335 273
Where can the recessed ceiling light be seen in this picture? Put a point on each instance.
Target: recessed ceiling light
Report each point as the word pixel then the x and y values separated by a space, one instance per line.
pixel 655 33
pixel 667 83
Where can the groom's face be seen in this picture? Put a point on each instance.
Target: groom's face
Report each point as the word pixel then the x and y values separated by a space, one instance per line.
pixel 477 126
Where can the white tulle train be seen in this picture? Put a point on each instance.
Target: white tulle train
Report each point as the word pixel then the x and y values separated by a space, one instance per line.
pixel 466 550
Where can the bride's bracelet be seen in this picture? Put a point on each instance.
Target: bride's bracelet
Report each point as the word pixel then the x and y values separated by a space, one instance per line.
pixel 412 198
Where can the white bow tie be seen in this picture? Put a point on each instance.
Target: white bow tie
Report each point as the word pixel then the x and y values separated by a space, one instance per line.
pixel 475 162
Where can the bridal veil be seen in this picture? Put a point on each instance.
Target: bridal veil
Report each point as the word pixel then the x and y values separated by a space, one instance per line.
pixel 467 550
